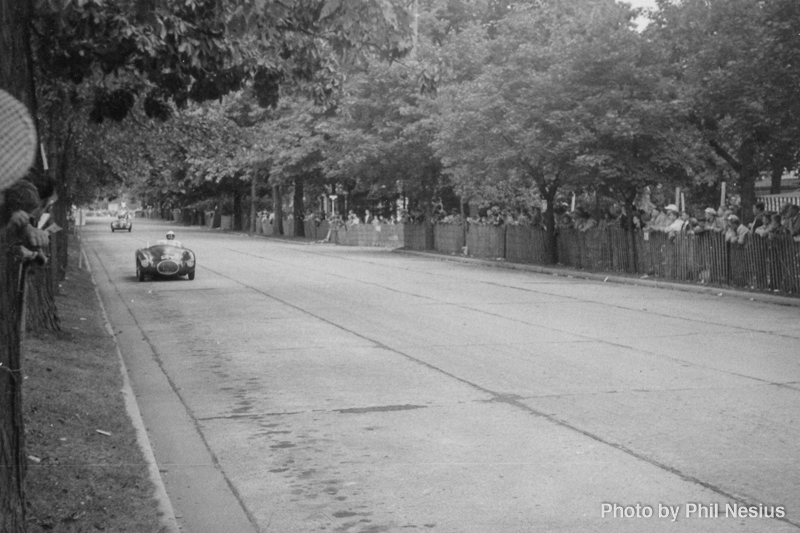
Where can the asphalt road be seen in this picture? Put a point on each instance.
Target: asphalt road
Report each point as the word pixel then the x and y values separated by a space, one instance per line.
pixel 298 387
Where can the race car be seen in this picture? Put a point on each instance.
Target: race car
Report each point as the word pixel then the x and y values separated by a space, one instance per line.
pixel 165 259
pixel 123 222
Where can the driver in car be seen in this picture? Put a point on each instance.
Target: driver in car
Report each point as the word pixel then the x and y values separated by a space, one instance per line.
pixel 170 240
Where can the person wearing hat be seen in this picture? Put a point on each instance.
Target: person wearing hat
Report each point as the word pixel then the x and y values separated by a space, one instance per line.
pixel 737 232
pixel 679 222
pixel 710 223
pixel 18 142
pixel 170 240
pixel 20 198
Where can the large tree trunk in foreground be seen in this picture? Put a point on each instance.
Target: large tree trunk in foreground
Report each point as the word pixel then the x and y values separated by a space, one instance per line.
pixel 16 78
pixel 12 449
pixel 41 312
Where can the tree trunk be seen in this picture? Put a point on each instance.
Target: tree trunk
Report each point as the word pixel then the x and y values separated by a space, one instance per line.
pixel 12 445
pixel 41 312
pixel 747 179
pixel 60 256
pixel 252 227
pixel 217 222
pixel 630 231
pixel 237 210
pixel 299 207
pixel 277 209
pixel 775 183
pixel 427 223
pixel 549 194
pixel 16 78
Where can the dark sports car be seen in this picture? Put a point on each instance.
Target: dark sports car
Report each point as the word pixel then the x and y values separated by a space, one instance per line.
pixel 165 260
pixel 121 223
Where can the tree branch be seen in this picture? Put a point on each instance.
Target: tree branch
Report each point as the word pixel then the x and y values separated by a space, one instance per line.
pixel 724 154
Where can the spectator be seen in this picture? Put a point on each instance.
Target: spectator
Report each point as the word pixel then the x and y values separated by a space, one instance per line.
pixel 453 218
pixel 736 232
pixel 773 227
pixel 637 219
pixel 564 222
pixel 659 220
pixel 765 224
pixel 536 217
pixel 758 213
pixel 784 211
pixel 722 214
pixel 792 221
pixel 677 223
pixel 583 221
pixel 710 223
pixel 22 204
pixel 689 222
pixel 369 218
pixel 352 218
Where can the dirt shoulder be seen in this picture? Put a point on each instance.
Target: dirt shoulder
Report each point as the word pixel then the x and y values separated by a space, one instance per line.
pixel 86 471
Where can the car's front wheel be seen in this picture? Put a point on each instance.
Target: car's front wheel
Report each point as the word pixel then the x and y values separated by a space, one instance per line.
pixel 191 275
pixel 139 271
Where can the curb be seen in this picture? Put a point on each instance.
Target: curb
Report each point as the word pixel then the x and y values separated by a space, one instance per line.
pixel 168 520
pixel 613 278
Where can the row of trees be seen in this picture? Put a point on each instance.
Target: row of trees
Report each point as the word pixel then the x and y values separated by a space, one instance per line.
pixel 535 100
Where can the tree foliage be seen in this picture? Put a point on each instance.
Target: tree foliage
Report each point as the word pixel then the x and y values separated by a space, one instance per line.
pixel 738 61
pixel 570 96
pixel 200 50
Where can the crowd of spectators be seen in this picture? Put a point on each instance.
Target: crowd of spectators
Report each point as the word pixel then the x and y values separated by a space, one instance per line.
pixel 765 224
pixel 492 216
pixel 401 217
pixel 668 219
pixel 672 221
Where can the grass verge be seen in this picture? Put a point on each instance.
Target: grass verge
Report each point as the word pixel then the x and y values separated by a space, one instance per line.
pixel 86 471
